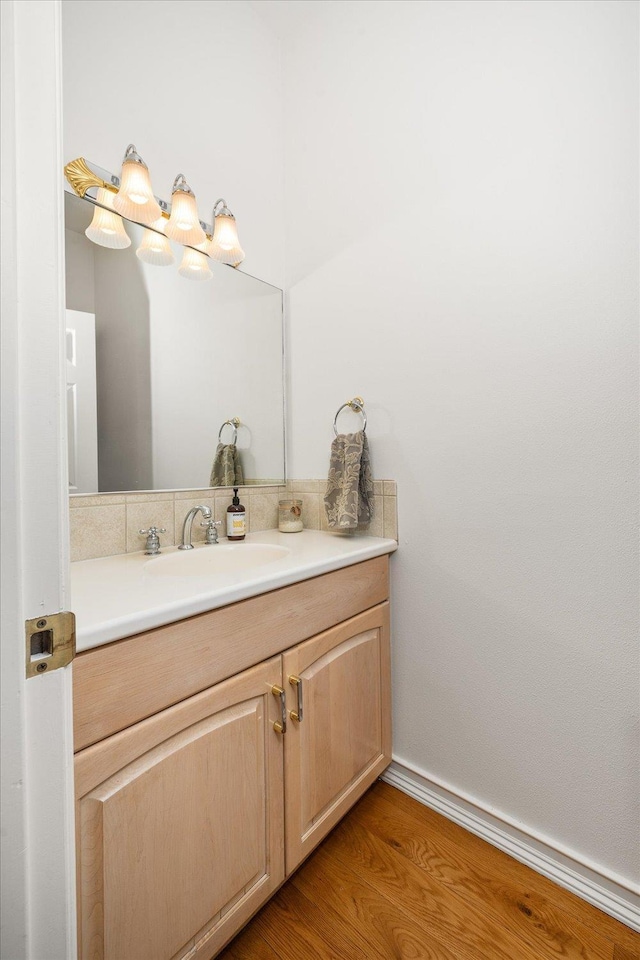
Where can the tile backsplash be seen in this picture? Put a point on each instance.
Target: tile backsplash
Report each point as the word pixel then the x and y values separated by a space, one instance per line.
pixel 108 523
pixel 384 522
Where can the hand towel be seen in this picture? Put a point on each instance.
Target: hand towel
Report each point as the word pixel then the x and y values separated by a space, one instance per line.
pixel 227 469
pixel 348 500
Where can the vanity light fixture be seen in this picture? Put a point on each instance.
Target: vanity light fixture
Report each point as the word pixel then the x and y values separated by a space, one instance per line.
pixel 135 199
pixel 106 228
pixel 155 249
pixel 184 224
pixel 225 246
pixel 194 265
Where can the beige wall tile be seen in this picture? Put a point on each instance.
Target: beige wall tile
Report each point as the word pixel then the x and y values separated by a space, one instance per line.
pixel 195 493
pixel 376 526
pixel 98 531
pixel 305 486
pixel 247 489
pixel 264 511
pixel 391 518
pixel 107 524
pixel 142 515
pixel 310 510
pixel 148 497
pixel 95 500
pixel 323 514
pixel 222 501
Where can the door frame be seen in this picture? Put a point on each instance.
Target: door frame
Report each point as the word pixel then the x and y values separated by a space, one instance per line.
pixel 38 854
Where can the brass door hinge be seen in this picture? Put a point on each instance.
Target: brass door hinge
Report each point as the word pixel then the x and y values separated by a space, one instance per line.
pixel 51 642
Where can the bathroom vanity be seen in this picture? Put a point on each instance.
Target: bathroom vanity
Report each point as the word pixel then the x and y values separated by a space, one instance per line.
pixel 220 742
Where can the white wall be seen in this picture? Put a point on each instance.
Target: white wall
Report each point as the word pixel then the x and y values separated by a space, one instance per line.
pixel 196 86
pixel 461 187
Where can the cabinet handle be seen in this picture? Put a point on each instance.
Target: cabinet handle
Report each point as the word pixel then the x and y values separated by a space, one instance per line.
pixel 297 683
pixel 280 726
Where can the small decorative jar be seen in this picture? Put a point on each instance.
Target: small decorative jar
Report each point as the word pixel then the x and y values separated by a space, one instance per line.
pixel 290 516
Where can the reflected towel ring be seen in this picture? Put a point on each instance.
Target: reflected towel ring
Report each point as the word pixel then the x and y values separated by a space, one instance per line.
pixel 234 423
pixel 356 404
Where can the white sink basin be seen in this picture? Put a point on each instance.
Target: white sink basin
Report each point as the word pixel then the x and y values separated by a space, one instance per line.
pixel 219 558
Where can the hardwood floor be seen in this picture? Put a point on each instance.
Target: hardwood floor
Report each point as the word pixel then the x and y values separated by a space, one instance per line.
pixel 396 880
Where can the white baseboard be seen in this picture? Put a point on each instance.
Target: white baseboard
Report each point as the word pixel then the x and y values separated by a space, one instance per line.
pixel 570 873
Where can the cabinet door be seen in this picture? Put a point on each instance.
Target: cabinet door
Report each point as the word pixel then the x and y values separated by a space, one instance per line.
pixel 343 741
pixel 180 824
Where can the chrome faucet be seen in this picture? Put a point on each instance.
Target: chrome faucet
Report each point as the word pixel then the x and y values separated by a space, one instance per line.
pixel 152 546
pixel 188 523
pixel 211 536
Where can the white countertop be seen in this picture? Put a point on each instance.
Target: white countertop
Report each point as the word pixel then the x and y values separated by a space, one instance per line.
pixel 115 597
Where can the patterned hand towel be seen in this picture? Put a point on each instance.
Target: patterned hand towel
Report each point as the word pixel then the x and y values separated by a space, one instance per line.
pixel 227 469
pixel 348 500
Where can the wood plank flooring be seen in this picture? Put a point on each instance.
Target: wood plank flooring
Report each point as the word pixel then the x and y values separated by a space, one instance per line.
pixel 396 880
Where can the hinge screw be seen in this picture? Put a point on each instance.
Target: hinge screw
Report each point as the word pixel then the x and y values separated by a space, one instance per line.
pixel 41 623
pixel 41 667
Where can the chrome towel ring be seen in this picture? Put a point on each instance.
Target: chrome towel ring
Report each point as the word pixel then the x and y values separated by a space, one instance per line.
pixel 356 404
pixel 234 423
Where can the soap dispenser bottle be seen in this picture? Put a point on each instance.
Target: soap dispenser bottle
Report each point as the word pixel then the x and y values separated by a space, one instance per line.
pixel 236 518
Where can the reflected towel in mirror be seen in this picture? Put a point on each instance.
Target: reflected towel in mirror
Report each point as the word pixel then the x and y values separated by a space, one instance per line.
pixel 349 497
pixel 227 468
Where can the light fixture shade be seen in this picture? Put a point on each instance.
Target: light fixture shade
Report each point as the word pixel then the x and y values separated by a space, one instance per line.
pixel 135 199
pixel 159 225
pixel 155 249
pixel 106 228
pixel 194 266
pixel 225 246
pixel 184 223
pixel 205 247
pixel 105 197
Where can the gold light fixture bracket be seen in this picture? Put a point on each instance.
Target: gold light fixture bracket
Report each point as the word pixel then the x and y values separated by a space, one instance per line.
pixel 82 178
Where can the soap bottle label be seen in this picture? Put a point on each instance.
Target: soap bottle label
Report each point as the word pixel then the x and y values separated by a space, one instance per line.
pixel 236 524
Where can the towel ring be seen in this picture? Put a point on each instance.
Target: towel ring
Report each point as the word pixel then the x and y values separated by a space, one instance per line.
pixel 234 423
pixel 356 404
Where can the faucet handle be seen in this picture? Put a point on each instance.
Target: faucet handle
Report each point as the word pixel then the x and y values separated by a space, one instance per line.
pixel 152 545
pixel 212 533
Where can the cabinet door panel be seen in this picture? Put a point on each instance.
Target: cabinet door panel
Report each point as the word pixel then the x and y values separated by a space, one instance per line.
pixel 344 739
pixel 181 844
pixel 342 735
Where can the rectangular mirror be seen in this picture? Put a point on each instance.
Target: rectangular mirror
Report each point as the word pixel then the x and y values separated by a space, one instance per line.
pixel 156 363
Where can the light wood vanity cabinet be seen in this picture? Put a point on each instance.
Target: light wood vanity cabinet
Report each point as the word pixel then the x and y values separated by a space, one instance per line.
pixel 189 818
